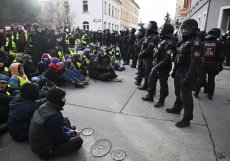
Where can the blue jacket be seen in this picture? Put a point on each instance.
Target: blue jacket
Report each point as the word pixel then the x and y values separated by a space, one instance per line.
pixel 20 113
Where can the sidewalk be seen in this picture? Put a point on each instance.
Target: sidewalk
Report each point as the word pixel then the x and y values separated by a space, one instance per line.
pixel 116 112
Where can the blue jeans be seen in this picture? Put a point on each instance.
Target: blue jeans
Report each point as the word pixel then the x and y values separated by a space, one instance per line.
pixel 76 74
pixel 68 78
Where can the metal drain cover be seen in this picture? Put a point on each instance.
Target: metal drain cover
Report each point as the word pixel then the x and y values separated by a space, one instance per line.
pixel 118 155
pixel 87 131
pixel 101 148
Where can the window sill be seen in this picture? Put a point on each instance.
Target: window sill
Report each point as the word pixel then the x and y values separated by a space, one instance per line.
pixel 85 12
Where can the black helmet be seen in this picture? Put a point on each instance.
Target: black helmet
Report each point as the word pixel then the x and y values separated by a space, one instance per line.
pixel 202 35
pixel 189 27
pixel 151 26
pixel 35 26
pixel 132 31
pixel 140 32
pixel 126 31
pixel 166 30
pixel 215 32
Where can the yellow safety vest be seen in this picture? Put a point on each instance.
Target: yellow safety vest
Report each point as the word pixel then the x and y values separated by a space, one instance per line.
pixel 26 36
pixel 60 55
pixel 67 38
pixel 73 52
pixel 8 41
pixel 6 69
pixel 22 80
pixel 78 65
pixel 83 41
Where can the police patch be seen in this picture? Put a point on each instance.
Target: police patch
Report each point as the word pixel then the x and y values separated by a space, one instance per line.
pixel 196 53
pixel 169 52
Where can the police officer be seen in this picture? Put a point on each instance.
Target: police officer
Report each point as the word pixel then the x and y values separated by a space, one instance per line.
pixel 227 46
pixel 125 46
pixel 186 61
pixel 132 54
pixel 162 65
pixel 140 34
pixel 99 37
pixel 150 42
pixel 212 60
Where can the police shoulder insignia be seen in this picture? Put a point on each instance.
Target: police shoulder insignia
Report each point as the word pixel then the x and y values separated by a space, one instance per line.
pixel 197 43
pixel 196 53
pixel 169 51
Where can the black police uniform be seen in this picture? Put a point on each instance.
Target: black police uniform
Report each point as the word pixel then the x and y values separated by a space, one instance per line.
pixel 148 45
pixel 161 69
pixel 212 60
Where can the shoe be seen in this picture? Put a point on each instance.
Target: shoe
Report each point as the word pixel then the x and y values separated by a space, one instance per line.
pixel 138 83
pixel 78 84
pixel 171 110
pixel 196 95
pixel 117 80
pixel 182 124
pixel 210 96
pixel 159 104
pixel 133 66
pixel 142 88
pixel 148 98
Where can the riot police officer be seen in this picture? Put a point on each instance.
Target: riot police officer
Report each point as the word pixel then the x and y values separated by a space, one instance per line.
pixel 140 34
pixel 162 65
pixel 131 52
pixel 99 37
pixel 125 46
pixel 150 42
pixel 186 62
pixel 212 60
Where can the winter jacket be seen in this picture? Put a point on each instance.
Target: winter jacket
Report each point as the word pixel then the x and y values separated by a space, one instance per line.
pixel 47 129
pixel 20 114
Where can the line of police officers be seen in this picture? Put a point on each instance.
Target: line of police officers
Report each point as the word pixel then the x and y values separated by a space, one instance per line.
pixel 196 63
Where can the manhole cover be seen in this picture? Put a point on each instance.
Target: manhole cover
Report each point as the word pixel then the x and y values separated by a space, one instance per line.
pixel 87 131
pixel 118 155
pixel 101 148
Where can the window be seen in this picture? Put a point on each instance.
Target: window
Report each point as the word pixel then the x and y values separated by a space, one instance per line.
pixel 112 27
pixel 85 5
pixel 204 21
pixel 105 8
pixel 86 25
pixel 109 26
pixel 118 14
pixel 104 25
pixel 199 21
pixel 109 9
pixel 113 11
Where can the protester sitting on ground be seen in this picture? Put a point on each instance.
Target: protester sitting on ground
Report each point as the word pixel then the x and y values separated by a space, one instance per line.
pixel 43 65
pixel 29 67
pixel 18 58
pixel 5 98
pixel 101 69
pixel 71 69
pixel 117 62
pixel 21 111
pixel 5 61
pixel 48 134
pixel 19 77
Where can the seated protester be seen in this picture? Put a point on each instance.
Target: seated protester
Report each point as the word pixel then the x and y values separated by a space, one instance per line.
pixel 70 68
pixel 56 74
pixel 29 67
pixel 58 51
pixel 5 61
pixel 117 62
pixel 18 58
pixel 101 69
pixel 48 134
pixel 43 65
pixel 5 98
pixel 78 63
pixel 21 111
pixel 19 77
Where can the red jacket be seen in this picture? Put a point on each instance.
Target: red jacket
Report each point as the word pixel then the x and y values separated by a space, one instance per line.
pixel 56 67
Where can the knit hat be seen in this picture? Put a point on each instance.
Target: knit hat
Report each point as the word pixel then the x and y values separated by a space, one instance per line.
pixel 26 57
pixel 30 91
pixel 67 56
pixel 55 60
pixel 45 55
pixel 3 78
pixel 55 94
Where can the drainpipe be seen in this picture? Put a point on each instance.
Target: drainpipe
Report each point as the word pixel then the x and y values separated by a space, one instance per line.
pixel 209 2
pixel 102 17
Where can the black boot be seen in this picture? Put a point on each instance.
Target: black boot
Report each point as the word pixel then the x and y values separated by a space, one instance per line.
pixel 148 98
pixel 138 83
pixel 182 124
pixel 196 94
pixel 172 110
pixel 143 87
pixel 159 104
pixel 210 96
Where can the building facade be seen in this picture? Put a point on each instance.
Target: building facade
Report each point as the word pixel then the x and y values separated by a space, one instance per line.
pixel 182 7
pixel 211 13
pixel 104 14
pixel 129 14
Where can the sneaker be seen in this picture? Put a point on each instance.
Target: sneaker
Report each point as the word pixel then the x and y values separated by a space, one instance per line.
pixel 117 80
